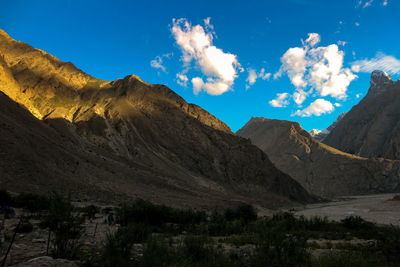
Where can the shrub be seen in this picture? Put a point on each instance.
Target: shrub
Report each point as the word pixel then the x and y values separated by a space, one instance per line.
pixel 117 250
pixel 245 213
pixel 25 226
pixel 65 227
pixel 5 198
pixel 348 259
pixel 157 253
pixel 32 202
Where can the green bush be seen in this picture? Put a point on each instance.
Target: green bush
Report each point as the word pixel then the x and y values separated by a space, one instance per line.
pixel 65 226
pixel 157 253
pixel 348 259
pixel 5 198
pixel 32 202
pixel 245 213
pixel 142 211
pixel 25 227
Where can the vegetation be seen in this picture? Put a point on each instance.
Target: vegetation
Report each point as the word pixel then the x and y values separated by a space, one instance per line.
pixel 65 227
pixel 157 235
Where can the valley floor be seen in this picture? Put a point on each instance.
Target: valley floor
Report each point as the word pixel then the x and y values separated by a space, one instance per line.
pixel 381 209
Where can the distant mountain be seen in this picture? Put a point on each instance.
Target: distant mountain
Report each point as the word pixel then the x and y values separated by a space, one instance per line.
pixel 322 134
pixel 62 129
pixel 321 169
pixel 372 127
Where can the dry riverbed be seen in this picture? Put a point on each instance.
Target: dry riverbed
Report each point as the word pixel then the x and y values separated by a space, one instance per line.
pixel 381 208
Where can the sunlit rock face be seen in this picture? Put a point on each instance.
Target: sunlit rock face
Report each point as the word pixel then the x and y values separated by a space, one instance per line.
pixel 66 130
pixel 321 169
pixel 372 127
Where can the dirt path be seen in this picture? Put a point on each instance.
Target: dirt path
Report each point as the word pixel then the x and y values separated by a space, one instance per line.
pixel 375 208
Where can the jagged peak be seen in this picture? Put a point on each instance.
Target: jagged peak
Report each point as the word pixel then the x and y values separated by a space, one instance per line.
pixel 379 82
pixel 378 76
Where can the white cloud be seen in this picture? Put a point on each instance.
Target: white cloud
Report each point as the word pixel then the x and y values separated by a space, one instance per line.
pixel 358 95
pixel 316 68
pixel 196 44
pixel 367 3
pixel 299 96
pixel 385 2
pixel 342 43
pixel 280 101
pixel 317 108
pixel 364 4
pixel 197 84
pixel 157 63
pixel 357 24
pixel 253 76
pixel 383 62
pixel 182 79
pixel 337 105
pixel 312 40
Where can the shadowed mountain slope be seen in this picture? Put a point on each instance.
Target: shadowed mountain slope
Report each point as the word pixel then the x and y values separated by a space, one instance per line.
pixel 321 169
pixel 372 127
pixel 123 139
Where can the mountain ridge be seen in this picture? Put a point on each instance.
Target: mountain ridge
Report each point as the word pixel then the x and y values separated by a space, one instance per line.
pixel 322 170
pixel 130 138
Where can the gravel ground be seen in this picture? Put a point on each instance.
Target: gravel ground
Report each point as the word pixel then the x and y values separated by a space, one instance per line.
pixel 381 209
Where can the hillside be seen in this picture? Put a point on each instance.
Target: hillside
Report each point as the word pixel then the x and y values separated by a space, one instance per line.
pixel 66 130
pixel 321 169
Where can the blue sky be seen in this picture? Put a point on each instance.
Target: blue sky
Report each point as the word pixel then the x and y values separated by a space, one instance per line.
pixel 112 39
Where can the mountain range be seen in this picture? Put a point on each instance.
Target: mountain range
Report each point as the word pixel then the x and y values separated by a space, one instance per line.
pixel 321 169
pixel 62 129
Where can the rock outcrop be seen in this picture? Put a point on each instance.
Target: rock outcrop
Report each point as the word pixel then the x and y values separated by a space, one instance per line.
pixel 62 129
pixel 372 127
pixel 321 169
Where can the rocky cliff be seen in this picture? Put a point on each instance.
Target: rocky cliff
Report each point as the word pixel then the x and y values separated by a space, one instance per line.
pixel 65 130
pixel 372 127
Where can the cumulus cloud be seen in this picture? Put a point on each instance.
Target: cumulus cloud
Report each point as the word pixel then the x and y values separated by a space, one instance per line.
pixel 196 43
pixel 157 63
pixel 312 40
pixel 312 68
pixel 280 101
pixel 182 79
pixel 253 75
pixel 317 108
pixel 383 62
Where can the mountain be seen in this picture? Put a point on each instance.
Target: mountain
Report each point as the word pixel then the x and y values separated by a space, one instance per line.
pixel 62 129
pixel 321 169
pixel 322 134
pixel 372 127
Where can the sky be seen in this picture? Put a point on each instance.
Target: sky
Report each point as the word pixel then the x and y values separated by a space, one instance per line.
pixel 300 60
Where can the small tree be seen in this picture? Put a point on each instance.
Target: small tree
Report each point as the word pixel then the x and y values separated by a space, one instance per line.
pixel 66 228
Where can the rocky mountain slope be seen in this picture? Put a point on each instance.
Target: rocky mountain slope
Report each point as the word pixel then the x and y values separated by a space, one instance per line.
pixel 321 169
pixel 62 129
pixel 372 127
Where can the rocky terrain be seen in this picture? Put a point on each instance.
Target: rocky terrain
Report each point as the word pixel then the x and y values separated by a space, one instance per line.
pixel 62 129
pixel 372 127
pixel 322 170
